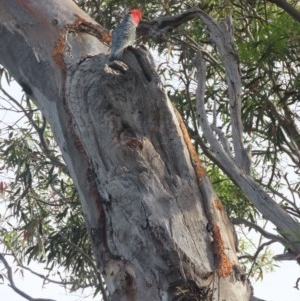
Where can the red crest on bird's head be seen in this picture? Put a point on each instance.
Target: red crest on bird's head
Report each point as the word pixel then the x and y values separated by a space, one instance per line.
pixel 136 15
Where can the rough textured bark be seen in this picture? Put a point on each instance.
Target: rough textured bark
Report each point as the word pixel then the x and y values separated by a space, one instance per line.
pixel 147 201
pixel 235 162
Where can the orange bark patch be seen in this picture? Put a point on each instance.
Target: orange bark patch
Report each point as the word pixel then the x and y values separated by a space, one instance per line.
pixel 218 205
pixel 224 264
pixel 80 25
pixel 218 241
pixel 199 169
pixel 58 50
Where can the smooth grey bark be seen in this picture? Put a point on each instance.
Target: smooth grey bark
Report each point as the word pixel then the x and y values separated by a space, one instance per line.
pixel 231 163
pixel 145 207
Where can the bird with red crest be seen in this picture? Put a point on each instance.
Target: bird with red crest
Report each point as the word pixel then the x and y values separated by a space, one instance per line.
pixel 125 33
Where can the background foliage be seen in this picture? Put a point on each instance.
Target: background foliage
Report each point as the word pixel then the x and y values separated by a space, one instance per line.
pixel 43 219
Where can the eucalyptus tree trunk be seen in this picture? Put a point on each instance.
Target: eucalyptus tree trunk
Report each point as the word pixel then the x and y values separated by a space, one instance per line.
pixel 158 230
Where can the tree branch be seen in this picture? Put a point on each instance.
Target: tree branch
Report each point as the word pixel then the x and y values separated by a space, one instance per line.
pixel 264 233
pixel 290 9
pixel 259 249
pixel 40 131
pixel 12 283
pixel 98 276
pixel 262 201
pixel 44 277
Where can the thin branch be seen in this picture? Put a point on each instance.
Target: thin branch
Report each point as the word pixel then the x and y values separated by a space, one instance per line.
pixel 221 34
pixel 284 198
pixel 12 283
pixel 297 284
pixel 289 8
pixel 44 277
pixel 202 116
pixel 259 249
pixel 285 256
pixel 218 131
pixel 39 130
pixel 264 233
pixel 223 138
pixel 287 123
pixel 102 286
